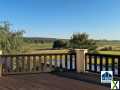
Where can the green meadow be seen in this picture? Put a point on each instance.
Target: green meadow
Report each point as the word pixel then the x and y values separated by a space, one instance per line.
pixel 109 52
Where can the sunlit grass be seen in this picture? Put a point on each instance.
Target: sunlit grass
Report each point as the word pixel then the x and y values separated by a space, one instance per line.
pixel 109 52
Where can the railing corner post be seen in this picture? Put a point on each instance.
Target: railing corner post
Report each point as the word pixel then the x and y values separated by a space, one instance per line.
pixel 80 59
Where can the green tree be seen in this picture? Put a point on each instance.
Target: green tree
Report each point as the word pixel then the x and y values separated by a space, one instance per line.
pixel 59 44
pixel 10 42
pixel 82 41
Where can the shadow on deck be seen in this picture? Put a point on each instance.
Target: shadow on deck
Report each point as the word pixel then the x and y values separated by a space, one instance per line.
pixel 50 81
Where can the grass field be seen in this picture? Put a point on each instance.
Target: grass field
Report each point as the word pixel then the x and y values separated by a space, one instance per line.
pixel 35 47
pixel 30 47
pixel 41 48
pixel 114 44
pixel 110 52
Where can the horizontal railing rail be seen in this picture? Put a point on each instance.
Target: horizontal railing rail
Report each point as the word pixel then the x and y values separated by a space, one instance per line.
pixel 33 63
pixel 99 62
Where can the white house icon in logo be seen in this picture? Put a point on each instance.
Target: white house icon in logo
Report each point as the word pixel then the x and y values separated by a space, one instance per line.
pixel 106 76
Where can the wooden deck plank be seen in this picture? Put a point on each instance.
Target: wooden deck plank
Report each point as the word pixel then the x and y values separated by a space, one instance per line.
pixel 44 81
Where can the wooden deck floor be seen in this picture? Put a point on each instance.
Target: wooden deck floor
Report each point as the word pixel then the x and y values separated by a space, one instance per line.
pixel 45 81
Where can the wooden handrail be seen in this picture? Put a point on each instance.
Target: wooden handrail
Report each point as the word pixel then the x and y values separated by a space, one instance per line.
pixel 42 54
pixel 106 55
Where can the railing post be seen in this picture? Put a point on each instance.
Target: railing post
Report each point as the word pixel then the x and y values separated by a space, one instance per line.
pixel 1 64
pixel 80 59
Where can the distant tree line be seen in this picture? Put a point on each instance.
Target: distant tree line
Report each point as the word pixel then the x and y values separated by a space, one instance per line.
pixel 39 40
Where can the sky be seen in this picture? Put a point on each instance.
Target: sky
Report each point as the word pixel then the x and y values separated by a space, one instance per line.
pixel 61 18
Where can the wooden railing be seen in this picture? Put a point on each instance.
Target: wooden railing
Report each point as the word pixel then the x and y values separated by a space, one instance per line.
pixel 99 62
pixel 34 63
pixel 74 60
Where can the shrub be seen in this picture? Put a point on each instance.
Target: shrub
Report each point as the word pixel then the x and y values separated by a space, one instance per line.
pixel 82 41
pixel 60 44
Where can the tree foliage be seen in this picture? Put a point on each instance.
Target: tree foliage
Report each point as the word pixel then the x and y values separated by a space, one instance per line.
pixel 10 42
pixel 82 41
